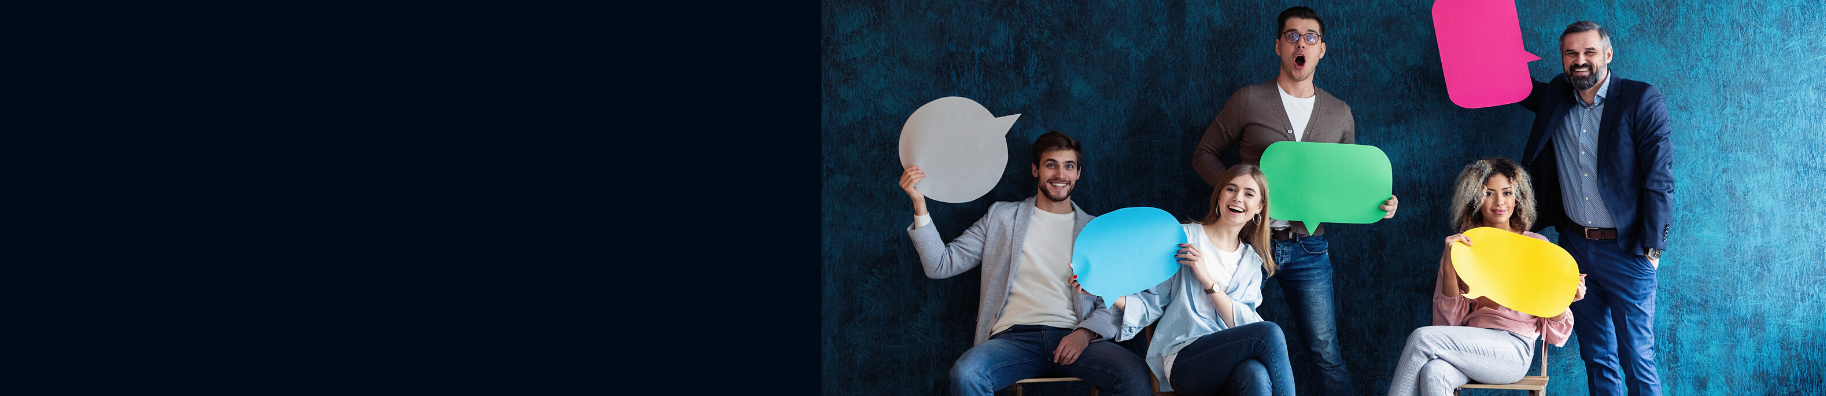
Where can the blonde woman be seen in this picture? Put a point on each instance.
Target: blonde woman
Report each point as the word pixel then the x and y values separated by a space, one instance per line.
pixel 1210 340
pixel 1478 339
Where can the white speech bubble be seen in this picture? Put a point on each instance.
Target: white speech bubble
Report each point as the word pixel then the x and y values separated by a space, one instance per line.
pixel 959 145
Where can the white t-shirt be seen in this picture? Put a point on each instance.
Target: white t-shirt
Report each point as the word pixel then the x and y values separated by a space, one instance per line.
pixel 1039 290
pixel 1299 112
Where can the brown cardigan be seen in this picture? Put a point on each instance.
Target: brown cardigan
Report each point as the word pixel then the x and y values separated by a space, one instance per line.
pixel 1255 118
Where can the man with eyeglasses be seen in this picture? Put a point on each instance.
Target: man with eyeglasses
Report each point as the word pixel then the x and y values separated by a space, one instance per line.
pixel 1290 108
pixel 1601 160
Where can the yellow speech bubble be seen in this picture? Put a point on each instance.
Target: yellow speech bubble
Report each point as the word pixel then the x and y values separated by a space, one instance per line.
pixel 1525 274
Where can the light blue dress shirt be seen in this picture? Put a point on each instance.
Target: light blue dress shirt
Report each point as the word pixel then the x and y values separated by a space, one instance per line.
pixel 1575 145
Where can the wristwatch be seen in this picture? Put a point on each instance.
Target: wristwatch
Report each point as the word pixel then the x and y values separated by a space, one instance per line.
pixel 1212 289
pixel 1654 254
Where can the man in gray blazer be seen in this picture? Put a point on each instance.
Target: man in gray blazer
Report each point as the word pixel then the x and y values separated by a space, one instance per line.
pixel 1031 322
pixel 1291 108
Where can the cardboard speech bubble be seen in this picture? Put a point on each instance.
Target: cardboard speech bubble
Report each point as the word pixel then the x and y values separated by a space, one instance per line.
pixel 1327 182
pixel 1126 251
pixel 1525 274
pixel 959 145
pixel 1481 53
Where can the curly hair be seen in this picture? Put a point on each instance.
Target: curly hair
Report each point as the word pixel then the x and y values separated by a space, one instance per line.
pixel 1470 194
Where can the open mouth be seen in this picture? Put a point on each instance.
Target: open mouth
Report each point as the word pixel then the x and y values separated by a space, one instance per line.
pixel 1581 69
pixel 1299 60
pixel 1235 209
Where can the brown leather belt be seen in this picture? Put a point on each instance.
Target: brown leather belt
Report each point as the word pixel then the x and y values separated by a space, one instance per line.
pixel 1598 234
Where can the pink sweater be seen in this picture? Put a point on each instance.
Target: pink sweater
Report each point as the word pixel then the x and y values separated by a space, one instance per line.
pixel 1461 311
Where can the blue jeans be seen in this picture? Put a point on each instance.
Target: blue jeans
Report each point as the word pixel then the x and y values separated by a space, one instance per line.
pixel 1616 320
pixel 1245 360
pixel 1305 278
pixel 1025 351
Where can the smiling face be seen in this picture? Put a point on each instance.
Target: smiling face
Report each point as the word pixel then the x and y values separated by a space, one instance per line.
pixel 1239 200
pixel 1057 173
pixel 1499 202
pixel 1299 60
pixel 1585 58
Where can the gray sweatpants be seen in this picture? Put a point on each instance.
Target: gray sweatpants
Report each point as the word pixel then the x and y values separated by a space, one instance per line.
pixel 1438 359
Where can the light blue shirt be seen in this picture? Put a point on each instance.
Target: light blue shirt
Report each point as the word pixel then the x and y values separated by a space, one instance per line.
pixel 1575 145
pixel 1184 311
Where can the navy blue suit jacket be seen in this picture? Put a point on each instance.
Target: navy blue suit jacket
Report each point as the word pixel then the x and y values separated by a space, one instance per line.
pixel 1635 173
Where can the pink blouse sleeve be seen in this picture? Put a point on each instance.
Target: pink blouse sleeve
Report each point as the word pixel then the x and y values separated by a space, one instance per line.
pixel 1557 331
pixel 1448 311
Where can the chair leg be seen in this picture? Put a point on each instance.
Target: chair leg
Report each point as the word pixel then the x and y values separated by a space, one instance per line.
pixel 1017 389
pixel 1093 390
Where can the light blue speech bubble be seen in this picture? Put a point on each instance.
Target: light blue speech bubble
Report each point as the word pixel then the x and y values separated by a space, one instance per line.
pixel 1126 251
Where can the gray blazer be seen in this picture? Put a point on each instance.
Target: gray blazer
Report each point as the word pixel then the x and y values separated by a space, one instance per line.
pixel 1255 118
pixel 995 242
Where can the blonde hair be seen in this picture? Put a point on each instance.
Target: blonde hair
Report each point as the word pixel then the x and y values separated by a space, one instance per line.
pixel 1469 197
pixel 1256 231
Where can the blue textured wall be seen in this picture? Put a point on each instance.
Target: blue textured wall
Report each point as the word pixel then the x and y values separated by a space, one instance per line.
pixel 1740 293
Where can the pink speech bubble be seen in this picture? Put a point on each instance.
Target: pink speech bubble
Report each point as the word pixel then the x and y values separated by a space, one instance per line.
pixel 1480 50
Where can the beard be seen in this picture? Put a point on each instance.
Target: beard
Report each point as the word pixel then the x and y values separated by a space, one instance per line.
pixel 1584 83
pixel 1061 198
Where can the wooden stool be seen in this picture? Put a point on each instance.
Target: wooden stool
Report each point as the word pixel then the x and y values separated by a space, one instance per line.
pixel 1536 385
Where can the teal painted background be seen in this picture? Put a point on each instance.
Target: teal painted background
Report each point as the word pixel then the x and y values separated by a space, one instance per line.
pixel 1741 288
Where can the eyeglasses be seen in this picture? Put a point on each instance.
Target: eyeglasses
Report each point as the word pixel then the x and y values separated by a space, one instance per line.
pixel 1292 37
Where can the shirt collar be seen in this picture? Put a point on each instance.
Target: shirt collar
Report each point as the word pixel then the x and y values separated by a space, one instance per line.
pixel 1603 91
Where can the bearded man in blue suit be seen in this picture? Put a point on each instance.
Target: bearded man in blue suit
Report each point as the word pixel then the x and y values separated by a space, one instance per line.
pixel 1601 159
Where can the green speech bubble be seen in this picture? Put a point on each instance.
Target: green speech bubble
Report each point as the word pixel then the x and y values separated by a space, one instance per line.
pixel 1327 182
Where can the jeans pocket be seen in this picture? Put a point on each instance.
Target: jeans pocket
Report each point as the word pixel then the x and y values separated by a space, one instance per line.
pixel 1314 245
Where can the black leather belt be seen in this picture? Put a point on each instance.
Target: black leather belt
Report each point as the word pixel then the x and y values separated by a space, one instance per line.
pixel 1597 234
pixel 1282 234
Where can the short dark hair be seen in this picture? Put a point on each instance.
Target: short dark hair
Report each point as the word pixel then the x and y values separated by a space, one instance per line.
pixel 1056 140
pixel 1586 26
pixel 1299 12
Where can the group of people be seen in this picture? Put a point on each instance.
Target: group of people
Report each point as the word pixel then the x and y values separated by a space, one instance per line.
pixel 1596 165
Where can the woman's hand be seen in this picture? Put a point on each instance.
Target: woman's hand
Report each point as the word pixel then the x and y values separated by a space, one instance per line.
pixel 1191 257
pixel 1461 238
pixel 1580 295
pixel 1079 288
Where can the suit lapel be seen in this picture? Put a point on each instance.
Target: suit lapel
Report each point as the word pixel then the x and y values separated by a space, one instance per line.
pixel 1607 124
pixel 1560 108
pixel 1023 218
pixel 1079 219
